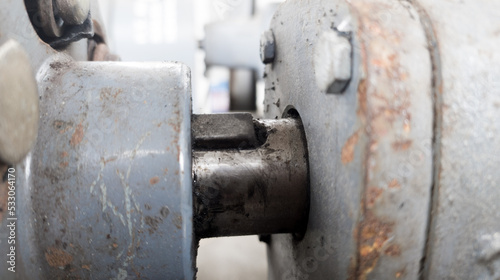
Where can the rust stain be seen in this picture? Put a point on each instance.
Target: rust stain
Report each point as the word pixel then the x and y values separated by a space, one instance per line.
pixel 394 184
pixel 153 223
pixel 57 258
pixel 400 273
pixel 402 145
pixel 362 99
pixel 62 126
pixel 373 238
pixel 115 245
pixel 63 164
pixel 372 195
pixel 77 136
pixel 154 180
pixel 407 126
pixel 385 111
pixel 86 266
pixel 64 154
pixel 178 221
pixel 393 251
pixel 348 150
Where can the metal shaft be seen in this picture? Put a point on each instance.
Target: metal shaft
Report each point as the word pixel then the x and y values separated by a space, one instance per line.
pixel 251 190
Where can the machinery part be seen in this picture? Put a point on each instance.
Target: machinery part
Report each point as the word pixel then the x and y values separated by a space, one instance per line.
pixel 106 192
pixel 332 62
pixel 464 229
pixel 226 131
pixel 73 12
pixel 260 190
pixel 18 103
pixel 370 149
pixel 52 26
pixel 98 49
pixel 48 19
pixel 267 47
pixel 379 157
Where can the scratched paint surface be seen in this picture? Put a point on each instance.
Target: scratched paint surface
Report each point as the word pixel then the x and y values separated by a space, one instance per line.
pixel 109 192
pixel 370 148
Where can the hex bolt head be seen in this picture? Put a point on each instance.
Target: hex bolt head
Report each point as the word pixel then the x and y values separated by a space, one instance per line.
pixel 267 47
pixel 19 113
pixel 332 62
pixel 73 12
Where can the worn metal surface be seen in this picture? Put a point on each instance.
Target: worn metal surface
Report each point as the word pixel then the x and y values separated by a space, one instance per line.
pixel 267 47
pixel 219 131
pixel 73 12
pixel 51 25
pixel 73 33
pixel 370 149
pixel 253 191
pixel 48 21
pixel 106 193
pixel 464 235
pixel 332 61
pixel 18 103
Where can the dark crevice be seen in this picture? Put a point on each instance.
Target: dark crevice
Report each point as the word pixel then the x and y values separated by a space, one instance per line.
pixel 437 86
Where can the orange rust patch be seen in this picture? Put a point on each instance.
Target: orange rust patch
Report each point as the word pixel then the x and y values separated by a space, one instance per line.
pixel 178 221
pixel 57 258
pixel 62 126
pixel 63 164
pixel 115 245
pixel 401 273
pixel 362 110
pixel 154 180
pixel 394 184
pixel 372 195
pixel 77 136
pixel 348 150
pixel 407 126
pixel 374 235
pixel 393 251
pixel 64 154
pixel 402 145
pixel 86 266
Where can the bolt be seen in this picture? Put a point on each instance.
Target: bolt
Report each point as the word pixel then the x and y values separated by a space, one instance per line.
pixel 267 47
pixel 18 103
pixel 73 12
pixel 332 62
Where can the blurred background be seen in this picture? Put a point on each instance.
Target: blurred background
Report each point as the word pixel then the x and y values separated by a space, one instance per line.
pixel 219 41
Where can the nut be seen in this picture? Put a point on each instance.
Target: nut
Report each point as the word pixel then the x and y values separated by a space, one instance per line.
pixel 267 47
pixel 332 62
pixel 18 103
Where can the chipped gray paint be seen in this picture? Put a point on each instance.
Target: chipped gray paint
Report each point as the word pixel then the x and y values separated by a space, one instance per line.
pixel 111 155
